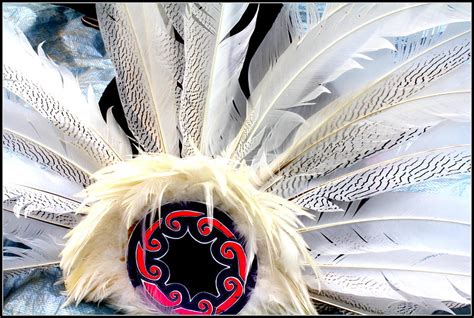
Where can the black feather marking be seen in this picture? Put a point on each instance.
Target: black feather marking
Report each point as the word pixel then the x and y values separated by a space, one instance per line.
pixel 267 15
pixel 177 37
pixel 320 216
pixel 7 242
pixel 347 209
pixel 360 236
pixel 362 202
pixel 390 238
pixel 339 256
pixel 235 107
pixel 110 98
pixel 327 238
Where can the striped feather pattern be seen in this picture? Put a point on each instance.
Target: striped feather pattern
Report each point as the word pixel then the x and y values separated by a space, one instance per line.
pixel 175 12
pixel 360 128
pixel 351 115
pixel 326 52
pixel 408 79
pixel 339 151
pixel 385 254
pixel 46 157
pixel 201 24
pixel 51 108
pixel 42 205
pixel 148 64
pixel 389 175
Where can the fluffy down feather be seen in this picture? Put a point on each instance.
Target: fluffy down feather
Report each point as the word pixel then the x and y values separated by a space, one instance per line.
pixel 124 191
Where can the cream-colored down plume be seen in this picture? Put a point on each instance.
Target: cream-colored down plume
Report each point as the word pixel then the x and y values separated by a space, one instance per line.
pixel 94 257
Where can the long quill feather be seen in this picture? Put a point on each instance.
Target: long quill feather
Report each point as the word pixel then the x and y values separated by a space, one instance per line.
pixel 148 62
pixel 55 94
pixel 319 63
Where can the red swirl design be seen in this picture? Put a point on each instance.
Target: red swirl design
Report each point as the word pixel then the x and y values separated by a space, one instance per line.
pixel 204 228
pixel 176 297
pixel 231 284
pixel 155 271
pixel 231 249
pixel 173 224
pixel 154 245
pixel 204 304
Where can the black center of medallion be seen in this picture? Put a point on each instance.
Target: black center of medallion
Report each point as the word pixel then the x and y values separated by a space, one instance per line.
pixel 192 265
pixel 182 266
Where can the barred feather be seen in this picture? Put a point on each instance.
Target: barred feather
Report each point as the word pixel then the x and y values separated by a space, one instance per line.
pixel 421 83
pixel 41 205
pixel 383 129
pixel 46 157
pixel 175 12
pixel 201 24
pixel 357 118
pixel 148 62
pixel 56 95
pixel 407 80
pixel 389 175
pixel 385 255
pixel 26 121
pixel 214 58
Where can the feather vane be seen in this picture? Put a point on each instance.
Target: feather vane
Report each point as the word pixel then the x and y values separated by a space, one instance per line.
pixel 148 63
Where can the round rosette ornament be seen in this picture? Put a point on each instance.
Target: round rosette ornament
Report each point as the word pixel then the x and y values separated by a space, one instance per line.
pixel 188 263
pixel 186 236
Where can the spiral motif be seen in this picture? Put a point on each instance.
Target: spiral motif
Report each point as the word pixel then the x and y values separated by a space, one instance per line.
pixel 149 271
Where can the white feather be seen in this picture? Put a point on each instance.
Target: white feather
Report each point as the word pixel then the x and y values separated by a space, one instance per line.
pixel 208 119
pixel 331 44
pixel 345 117
pixel 32 174
pixel 44 242
pixel 383 129
pixel 41 205
pixel 391 246
pixel 48 158
pixel 225 97
pixel 147 60
pixel 55 94
pixel 26 121
pixel 389 175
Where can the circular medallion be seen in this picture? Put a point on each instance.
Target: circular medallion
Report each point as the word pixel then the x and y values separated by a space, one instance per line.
pixel 182 264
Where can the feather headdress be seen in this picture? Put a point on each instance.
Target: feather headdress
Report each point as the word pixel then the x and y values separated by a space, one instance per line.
pixel 304 162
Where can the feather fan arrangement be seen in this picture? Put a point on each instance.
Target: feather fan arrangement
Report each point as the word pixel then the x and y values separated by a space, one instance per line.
pixel 312 169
